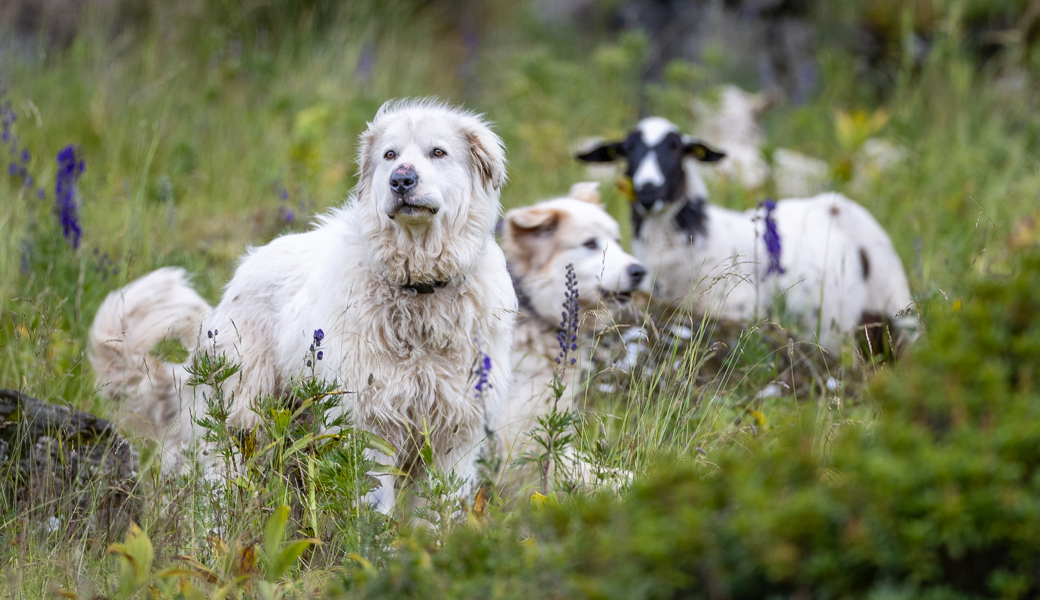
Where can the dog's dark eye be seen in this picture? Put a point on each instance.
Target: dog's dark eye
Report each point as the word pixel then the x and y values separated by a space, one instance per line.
pixel 438 153
pixel 390 155
pixel 591 244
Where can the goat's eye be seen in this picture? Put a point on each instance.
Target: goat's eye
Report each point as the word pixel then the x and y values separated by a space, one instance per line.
pixel 438 153
pixel 390 155
pixel 591 244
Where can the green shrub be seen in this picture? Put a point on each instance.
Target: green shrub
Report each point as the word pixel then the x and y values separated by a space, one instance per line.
pixel 937 499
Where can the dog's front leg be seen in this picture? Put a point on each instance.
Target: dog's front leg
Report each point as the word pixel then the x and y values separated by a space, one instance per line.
pixel 463 461
pixel 383 497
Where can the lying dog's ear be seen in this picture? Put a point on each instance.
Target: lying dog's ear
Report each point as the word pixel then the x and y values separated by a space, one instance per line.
pixel 527 235
pixel 489 158
pixel 586 191
pixel 604 153
pixel 702 152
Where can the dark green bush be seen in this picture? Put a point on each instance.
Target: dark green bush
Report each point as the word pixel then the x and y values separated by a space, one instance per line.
pixel 938 498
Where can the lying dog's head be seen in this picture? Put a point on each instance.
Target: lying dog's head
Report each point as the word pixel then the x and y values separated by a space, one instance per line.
pixel 655 151
pixel 541 240
pixel 429 183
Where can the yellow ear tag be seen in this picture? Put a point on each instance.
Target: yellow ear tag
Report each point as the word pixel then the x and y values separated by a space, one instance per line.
pixel 624 186
pixel 699 152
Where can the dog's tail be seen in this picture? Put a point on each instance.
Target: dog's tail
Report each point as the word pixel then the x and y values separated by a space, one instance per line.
pixel 129 324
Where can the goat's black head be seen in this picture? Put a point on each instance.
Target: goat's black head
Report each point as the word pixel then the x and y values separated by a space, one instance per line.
pixel 654 151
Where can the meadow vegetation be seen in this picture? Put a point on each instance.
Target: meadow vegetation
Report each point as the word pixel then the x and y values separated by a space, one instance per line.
pixel 203 130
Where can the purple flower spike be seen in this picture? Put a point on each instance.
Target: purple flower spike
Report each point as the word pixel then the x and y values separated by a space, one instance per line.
pixel 771 237
pixel 70 167
pixel 482 374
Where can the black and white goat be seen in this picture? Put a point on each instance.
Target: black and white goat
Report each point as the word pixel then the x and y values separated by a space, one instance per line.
pixel 825 259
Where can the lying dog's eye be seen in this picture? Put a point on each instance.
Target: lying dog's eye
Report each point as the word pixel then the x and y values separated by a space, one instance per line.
pixel 591 244
pixel 390 155
pixel 438 153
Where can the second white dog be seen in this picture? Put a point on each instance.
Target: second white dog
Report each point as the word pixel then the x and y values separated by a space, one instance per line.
pixel 558 313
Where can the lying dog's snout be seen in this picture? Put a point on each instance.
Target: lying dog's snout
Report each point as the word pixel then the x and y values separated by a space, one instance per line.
pixel 403 179
pixel 636 272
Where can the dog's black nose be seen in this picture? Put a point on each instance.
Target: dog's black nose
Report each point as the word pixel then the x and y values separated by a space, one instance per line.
pixel 403 179
pixel 637 272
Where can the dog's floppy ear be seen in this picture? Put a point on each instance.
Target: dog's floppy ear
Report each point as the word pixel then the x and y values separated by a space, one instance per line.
pixel 488 155
pixel 363 159
pixel 586 191
pixel 528 232
pixel 608 152
pixel 699 150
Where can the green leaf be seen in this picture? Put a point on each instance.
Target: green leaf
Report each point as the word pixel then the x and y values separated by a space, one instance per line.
pixel 274 532
pixel 288 556
pixel 374 442
pixel 136 555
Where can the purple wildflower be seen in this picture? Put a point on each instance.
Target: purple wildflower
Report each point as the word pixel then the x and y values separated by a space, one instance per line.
pixel 70 167
pixel 568 334
pixel 321 354
pixel 319 336
pixel 771 237
pixel 482 374
pixel 25 155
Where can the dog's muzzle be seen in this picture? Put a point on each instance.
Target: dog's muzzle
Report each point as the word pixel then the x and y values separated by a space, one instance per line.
pixel 414 207
pixel 404 182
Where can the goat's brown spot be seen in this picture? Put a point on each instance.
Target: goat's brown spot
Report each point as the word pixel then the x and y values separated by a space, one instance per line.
pixel 864 262
pixel 835 211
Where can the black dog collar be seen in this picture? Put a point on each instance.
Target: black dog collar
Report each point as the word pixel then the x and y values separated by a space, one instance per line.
pixel 427 287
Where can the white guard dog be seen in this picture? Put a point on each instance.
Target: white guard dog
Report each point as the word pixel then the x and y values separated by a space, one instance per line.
pixel 406 282
pixel 540 241
pixel 832 263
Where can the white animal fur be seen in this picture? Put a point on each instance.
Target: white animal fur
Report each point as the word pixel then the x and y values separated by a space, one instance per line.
pixel 540 241
pixel 407 356
pixel 723 273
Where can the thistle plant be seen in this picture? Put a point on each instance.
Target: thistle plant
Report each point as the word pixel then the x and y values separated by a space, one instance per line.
pixel 209 370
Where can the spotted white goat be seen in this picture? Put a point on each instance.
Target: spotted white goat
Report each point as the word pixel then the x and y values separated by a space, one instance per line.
pixel 824 259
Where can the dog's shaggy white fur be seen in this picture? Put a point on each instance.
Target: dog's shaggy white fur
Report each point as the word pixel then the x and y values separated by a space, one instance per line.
pixel 405 281
pixel 840 268
pixel 540 241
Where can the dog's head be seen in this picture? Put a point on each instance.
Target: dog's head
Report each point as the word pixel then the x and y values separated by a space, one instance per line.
pixel 655 151
pixel 541 240
pixel 429 183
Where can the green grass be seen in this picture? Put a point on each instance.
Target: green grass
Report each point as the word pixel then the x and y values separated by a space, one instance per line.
pixel 190 134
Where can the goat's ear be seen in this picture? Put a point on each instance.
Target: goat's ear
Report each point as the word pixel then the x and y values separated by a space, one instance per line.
pixel 528 233
pixel 702 152
pixel 604 153
pixel 586 191
pixel 489 159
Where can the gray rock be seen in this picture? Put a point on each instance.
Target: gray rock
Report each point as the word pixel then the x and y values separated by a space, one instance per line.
pixel 59 462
